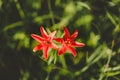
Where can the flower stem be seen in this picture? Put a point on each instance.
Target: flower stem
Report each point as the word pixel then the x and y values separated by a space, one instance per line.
pixel 50 11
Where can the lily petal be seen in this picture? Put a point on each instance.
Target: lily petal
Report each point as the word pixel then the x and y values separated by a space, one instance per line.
pixel 45 52
pixel 37 38
pixel 51 35
pixel 72 50
pixel 38 47
pixel 66 32
pixel 74 35
pixel 77 44
pixel 58 39
pixel 54 46
pixel 43 32
pixel 62 50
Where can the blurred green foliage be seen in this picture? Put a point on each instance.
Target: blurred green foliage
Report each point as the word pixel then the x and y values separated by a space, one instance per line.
pixel 98 22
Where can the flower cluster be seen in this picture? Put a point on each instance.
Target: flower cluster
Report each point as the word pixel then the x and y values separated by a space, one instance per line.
pixel 46 42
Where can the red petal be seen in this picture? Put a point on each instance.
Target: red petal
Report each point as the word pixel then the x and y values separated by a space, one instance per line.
pixel 37 38
pixel 77 44
pixel 45 52
pixel 62 50
pixel 54 46
pixel 51 35
pixel 38 47
pixel 66 32
pixel 43 32
pixel 74 35
pixel 72 50
pixel 58 39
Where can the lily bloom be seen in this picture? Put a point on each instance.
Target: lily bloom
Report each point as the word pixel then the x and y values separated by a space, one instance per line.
pixel 68 42
pixel 45 42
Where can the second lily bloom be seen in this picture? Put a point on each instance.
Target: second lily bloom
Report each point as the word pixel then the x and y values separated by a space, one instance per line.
pixel 68 42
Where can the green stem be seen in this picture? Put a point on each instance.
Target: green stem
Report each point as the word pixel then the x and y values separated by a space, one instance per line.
pixel 102 75
pixel 21 12
pixel 50 11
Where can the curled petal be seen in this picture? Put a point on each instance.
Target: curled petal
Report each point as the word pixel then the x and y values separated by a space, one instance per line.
pixel 77 44
pixel 72 50
pixel 37 38
pixel 74 35
pixel 58 39
pixel 52 35
pixel 38 47
pixel 45 52
pixel 43 32
pixel 62 50
pixel 54 46
pixel 66 32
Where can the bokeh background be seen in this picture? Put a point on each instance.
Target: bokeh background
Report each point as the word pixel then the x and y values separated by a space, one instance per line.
pixel 98 23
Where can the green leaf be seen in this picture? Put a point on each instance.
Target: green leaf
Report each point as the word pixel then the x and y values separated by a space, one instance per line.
pixel 13 25
pixel 82 4
pixel 93 40
pixel 111 18
pixel 84 20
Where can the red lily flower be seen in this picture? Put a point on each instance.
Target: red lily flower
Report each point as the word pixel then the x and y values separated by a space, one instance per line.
pixel 68 42
pixel 45 42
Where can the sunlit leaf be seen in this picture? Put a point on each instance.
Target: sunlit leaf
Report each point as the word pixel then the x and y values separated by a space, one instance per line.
pixel 82 4
pixel 13 25
pixel 111 18
pixel 93 40
pixel 84 20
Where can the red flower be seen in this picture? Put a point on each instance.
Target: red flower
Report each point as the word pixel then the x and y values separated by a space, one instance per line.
pixel 45 42
pixel 68 42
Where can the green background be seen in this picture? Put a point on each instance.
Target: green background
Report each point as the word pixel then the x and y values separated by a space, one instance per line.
pixel 98 23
